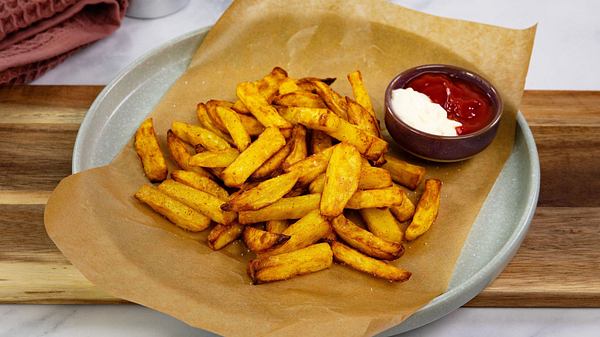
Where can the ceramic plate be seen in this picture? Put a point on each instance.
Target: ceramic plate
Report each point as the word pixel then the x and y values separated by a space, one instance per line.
pixel 123 104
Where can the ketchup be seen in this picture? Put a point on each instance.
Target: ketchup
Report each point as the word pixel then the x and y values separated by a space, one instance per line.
pixel 464 102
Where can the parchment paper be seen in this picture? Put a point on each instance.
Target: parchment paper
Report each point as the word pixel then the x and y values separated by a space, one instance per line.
pixel 132 253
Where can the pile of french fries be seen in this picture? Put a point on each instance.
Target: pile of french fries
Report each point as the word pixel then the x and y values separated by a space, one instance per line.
pixel 298 172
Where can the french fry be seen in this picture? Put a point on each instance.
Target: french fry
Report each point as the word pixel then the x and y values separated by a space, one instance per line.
pixel 309 229
pixel 207 122
pixel 341 179
pixel 360 92
pixel 267 115
pixel 405 210
pixel 211 108
pixel 370 178
pixel 276 226
pixel 332 99
pixel 319 141
pixel 268 86
pixel 272 164
pixel 382 223
pixel 234 126
pixel 177 212
pixel 369 265
pixel 311 167
pixel 321 119
pixel 427 210
pixel 239 107
pixel 222 235
pixel 214 158
pixel 384 197
pixel 362 118
pixel 194 135
pixel 300 99
pixel 200 182
pixel 284 266
pixel 267 144
pixel 365 241
pixel 264 194
pixel 181 154
pixel 258 240
pixel 200 201
pixel 147 148
pixel 405 174
pixel 298 144
pixel 287 86
pixel 374 178
pixel 251 124
pixel 285 208
pixel 296 191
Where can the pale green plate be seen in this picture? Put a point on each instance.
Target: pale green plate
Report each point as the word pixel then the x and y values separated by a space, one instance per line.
pixel 493 240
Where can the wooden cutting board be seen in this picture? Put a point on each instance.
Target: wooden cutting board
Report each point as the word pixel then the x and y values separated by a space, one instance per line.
pixel 558 264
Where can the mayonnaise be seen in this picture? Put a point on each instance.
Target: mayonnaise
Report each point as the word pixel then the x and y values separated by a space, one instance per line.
pixel 419 112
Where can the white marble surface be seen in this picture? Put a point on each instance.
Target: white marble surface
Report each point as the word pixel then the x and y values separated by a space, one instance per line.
pixel 566 54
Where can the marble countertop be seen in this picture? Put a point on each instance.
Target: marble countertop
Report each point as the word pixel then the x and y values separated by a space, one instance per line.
pixel 565 56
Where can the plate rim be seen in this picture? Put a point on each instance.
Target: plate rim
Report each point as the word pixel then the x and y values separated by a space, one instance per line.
pixel 452 296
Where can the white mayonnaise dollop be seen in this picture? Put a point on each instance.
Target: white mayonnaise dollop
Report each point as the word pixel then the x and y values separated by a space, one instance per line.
pixel 417 110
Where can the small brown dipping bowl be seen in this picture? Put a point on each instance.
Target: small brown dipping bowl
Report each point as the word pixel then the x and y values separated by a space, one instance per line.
pixel 442 148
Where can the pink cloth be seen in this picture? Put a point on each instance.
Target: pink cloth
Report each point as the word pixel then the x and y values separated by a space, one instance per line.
pixel 36 35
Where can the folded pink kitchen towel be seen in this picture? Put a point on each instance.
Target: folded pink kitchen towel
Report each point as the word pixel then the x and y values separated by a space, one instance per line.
pixel 36 35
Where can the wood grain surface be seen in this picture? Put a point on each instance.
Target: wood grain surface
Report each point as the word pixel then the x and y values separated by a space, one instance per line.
pixel 557 265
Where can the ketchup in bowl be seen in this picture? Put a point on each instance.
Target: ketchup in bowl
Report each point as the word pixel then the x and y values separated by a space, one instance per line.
pixel 463 101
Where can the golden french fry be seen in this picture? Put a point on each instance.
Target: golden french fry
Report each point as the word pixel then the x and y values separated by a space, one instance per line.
pixel 403 173
pixel 285 208
pixel 360 117
pixel 366 264
pixel 268 86
pixel 404 211
pixel 365 241
pixel 222 235
pixel 193 134
pixel 319 141
pixel 234 126
pixel 207 122
pixel 264 194
pixel 321 119
pixel 370 178
pixel 181 154
pixel 284 266
pixel 309 229
pixel 222 158
pixel 211 108
pixel 287 86
pixel 300 99
pixel 267 115
pixel 200 182
pixel 258 240
pixel 177 212
pixel 298 144
pixel 360 92
pixel 239 107
pixel 341 179
pixel 267 144
pixel 374 178
pixel 273 164
pixel 311 167
pixel 276 226
pixel 251 124
pixel 200 201
pixel 332 99
pixel 382 223
pixel 427 210
pixel 384 197
pixel 147 148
